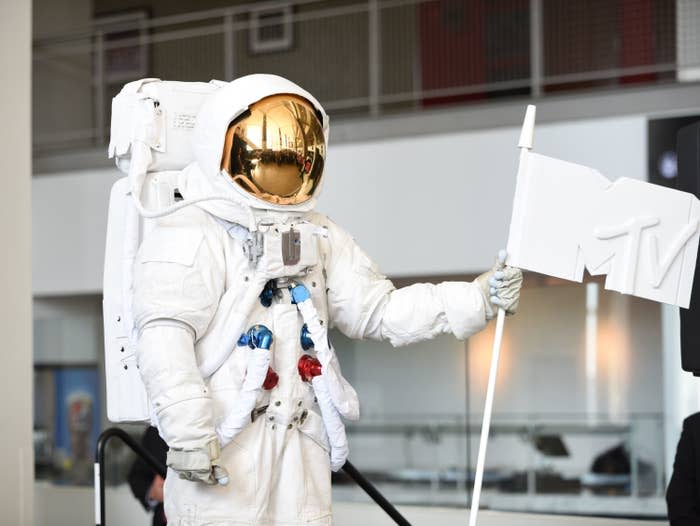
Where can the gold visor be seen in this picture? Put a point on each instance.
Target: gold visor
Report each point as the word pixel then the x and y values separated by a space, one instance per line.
pixel 276 150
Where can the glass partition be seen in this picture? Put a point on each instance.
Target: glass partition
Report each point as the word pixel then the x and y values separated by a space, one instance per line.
pixel 577 425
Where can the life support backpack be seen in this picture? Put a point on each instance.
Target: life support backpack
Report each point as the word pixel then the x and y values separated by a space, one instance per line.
pixel 151 132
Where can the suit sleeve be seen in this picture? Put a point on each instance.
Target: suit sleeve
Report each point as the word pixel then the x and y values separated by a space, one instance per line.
pixel 365 304
pixel 682 492
pixel 178 280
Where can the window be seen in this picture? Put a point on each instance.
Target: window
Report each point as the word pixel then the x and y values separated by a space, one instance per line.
pixel 271 29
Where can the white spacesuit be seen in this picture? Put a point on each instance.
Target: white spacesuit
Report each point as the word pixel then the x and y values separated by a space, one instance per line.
pixel 232 300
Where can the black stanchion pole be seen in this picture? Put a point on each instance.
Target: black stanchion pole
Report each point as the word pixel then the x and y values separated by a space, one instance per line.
pixel 374 494
pixel 137 448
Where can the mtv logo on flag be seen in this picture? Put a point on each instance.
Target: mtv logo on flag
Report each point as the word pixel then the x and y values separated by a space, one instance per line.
pixel 567 217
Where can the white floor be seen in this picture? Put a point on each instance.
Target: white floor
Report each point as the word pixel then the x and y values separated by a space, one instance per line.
pixel 352 514
pixel 73 506
pixel 649 508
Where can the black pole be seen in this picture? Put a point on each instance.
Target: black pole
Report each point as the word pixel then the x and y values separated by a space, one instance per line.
pixel 137 448
pixel 160 469
pixel 374 493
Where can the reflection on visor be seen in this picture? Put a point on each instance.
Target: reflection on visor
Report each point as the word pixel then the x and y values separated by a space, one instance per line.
pixel 276 150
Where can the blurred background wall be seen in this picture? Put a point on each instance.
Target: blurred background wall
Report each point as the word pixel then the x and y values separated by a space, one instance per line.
pixel 426 99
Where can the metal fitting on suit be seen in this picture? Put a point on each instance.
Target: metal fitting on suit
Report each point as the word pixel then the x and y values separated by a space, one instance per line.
pixel 309 367
pixel 305 338
pixel 257 337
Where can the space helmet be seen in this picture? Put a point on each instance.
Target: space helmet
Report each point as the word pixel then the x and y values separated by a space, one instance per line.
pixel 269 136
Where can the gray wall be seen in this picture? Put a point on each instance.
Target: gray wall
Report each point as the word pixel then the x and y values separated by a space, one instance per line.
pixel 68 330
pixel 441 204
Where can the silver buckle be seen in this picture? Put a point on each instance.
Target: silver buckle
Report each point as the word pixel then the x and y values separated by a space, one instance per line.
pixel 253 247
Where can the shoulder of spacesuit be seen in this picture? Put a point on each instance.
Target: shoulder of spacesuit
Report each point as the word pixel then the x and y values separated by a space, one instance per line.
pixel 178 238
pixel 337 236
pixel 344 257
pixel 189 217
pixel 179 271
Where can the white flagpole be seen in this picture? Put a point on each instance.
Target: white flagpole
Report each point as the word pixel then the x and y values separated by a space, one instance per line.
pixel 486 424
pixel 525 145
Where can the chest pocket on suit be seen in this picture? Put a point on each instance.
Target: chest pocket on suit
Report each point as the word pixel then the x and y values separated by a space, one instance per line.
pixel 169 274
pixel 172 245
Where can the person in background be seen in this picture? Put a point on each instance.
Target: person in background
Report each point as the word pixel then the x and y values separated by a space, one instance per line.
pixel 147 486
pixel 683 493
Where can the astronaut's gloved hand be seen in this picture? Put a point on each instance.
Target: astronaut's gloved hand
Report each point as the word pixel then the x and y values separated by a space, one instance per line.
pixel 199 464
pixel 500 287
pixel 339 455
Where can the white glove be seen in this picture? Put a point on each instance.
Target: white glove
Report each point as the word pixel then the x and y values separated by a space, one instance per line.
pixel 199 464
pixel 500 287
pixel 335 429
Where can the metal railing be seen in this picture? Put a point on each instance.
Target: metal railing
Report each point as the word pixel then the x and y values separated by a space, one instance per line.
pixel 361 57
pixel 440 450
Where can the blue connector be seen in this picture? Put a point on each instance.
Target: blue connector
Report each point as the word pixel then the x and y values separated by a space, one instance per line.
pixel 305 338
pixel 259 337
pixel 267 294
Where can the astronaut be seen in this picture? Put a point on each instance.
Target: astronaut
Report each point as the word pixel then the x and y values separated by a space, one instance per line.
pixel 232 301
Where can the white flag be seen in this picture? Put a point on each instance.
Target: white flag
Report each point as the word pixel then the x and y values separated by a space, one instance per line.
pixel 568 216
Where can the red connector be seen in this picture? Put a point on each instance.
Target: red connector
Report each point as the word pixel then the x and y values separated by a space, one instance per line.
pixel 308 367
pixel 271 379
